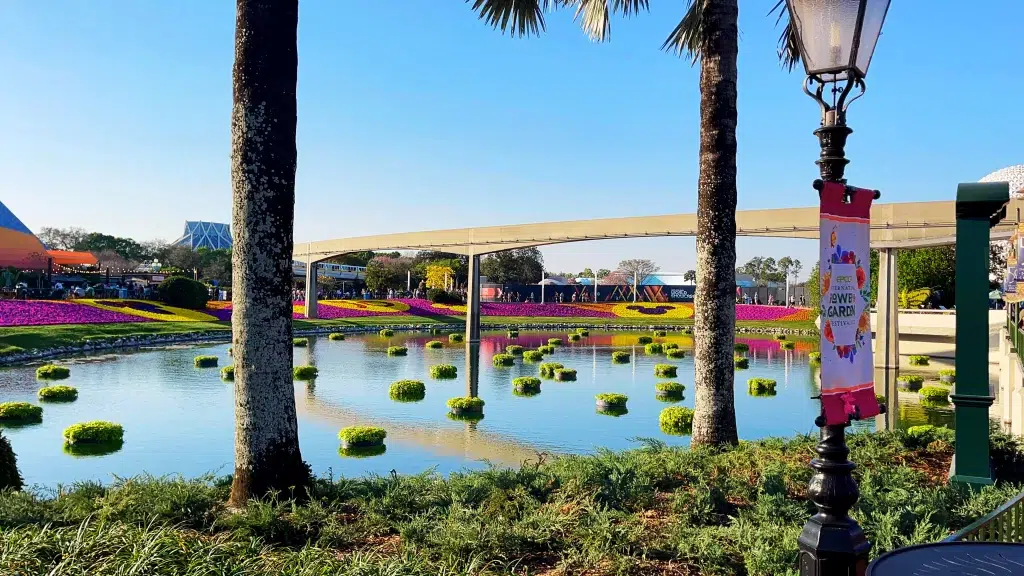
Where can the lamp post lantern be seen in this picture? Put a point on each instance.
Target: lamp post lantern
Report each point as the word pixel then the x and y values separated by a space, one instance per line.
pixel 836 39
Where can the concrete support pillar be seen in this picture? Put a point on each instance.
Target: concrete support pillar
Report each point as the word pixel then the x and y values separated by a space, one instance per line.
pixel 887 335
pixel 472 369
pixel 1007 397
pixel 311 290
pixel 473 301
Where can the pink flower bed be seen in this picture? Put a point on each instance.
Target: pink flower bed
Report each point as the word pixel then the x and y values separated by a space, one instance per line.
pixel 752 312
pixel 41 312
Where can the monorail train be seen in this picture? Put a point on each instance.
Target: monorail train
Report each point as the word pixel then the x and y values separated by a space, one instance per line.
pixel 336 271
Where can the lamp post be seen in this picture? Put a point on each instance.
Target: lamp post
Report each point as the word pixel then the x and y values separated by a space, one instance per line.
pixel 836 39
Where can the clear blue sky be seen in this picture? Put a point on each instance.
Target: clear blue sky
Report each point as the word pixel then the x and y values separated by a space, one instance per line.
pixel 413 114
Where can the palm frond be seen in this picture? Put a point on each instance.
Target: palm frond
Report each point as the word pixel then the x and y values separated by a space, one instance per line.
pixel 594 15
pixel 517 17
pixel 789 48
pixel 690 37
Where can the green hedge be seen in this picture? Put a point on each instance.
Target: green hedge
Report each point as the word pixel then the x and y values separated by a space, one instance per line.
pixel 565 374
pixel 94 432
pixel 362 436
pixel 761 386
pixel 787 345
pixel 669 388
pixel 546 349
pixel 676 420
pixel 620 357
pixel 533 356
pixel 58 394
pixel 20 412
pixel 514 349
pixel 53 372
pixel 921 436
pixel 740 362
pixel 919 360
pixel 407 390
pixel 554 341
pixel 740 347
pixel 653 348
pixel 227 373
pixel 205 361
pixel 526 384
pixel 675 354
pixel 335 336
pixel 397 350
pixel 503 359
pixel 611 399
pixel 937 394
pixel 300 342
pixel 547 369
pixel 443 371
pixel 434 344
pixel 10 478
pixel 465 404
pixel 305 372
pixel 910 382
pixel 386 332
pixel 456 337
pixel 644 340
pixel 665 370
pixel 183 293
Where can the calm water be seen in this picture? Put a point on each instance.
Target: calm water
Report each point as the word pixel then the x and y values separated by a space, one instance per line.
pixel 179 419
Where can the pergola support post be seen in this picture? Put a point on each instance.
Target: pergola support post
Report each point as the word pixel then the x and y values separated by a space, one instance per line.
pixel 473 300
pixel 311 305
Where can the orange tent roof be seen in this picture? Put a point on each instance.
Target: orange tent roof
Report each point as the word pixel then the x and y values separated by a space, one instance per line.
pixel 70 258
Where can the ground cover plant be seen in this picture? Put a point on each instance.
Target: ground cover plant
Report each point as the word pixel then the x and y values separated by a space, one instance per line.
pixel 919 360
pixel 814 357
pixel 464 404
pixel 741 362
pixel 514 349
pixel 386 332
pixel 503 359
pixel 227 373
pixel 611 399
pixel 574 337
pixel 305 372
pixel 58 394
pixel 761 387
pixel 660 333
pixel 547 369
pixel 526 384
pixel 665 370
pixel 740 347
pixel 787 345
pixel 669 388
pixel 675 354
pixel 911 382
pixel 300 342
pixel 670 346
pixel 434 344
pixel 620 357
pixel 644 340
pixel 93 432
pixel 934 394
pixel 407 390
pixel 554 341
pixel 653 348
pixel 947 375
pixel 565 374
pixel 335 336
pixel 442 371
pixel 676 420
pixel 397 350
pixel 546 349
pixel 361 436
pixel 583 332
pixel 456 337
pixel 20 413
pixel 205 361
pixel 533 355
pixel 53 372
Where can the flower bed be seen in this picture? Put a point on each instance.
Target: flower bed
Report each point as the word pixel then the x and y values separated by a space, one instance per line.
pixel 669 388
pixel 653 348
pixel 397 350
pixel 205 361
pixel 675 354
pixel 761 387
pixel 227 373
pixel 565 374
pixel 39 313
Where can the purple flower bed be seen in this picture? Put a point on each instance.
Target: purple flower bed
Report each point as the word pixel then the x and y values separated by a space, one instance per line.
pixel 38 313
pixel 770 313
pixel 542 310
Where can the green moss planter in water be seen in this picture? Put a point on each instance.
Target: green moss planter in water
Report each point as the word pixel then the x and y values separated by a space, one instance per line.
pixel 947 376
pixel 574 337
pixel 676 420
pixel 300 342
pixel 397 350
pixel 434 344
pixel 526 384
pixel 911 382
pixel 58 394
pixel 644 340
pixel 94 432
pixel 665 370
pixel 675 354
pixel 934 394
pixel 336 336
pixel 514 349
pixel 919 360
pixel 362 451
pixel 305 372
pixel 407 391
pixel 53 372
pixel 20 413
pixel 761 387
pixel 670 346
pixel 456 337
pixel 465 405
pixel 546 349
pixel 443 371
pixel 607 400
pixel 227 373
pixel 787 345
pixel 653 348
pixel 740 362
pixel 740 347
pixel 502 360
pixel 620 357
pixel 554 341
pixel 660 333
pixel 205 361
pixel 435 331
pixel 814 357
pixel 533 356
pixel 361 436
pixel 565 374
pixel 547 369
pixel 669 389
pixel 583 332
pixel 386 333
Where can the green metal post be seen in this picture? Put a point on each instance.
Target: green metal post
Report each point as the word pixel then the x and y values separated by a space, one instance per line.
pixel 978 207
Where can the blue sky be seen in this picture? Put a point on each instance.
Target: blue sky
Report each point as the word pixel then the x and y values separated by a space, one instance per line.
pixel 415 115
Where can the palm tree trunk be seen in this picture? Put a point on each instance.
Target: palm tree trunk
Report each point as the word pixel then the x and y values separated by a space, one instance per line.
pixel 263 121
pixel 714 421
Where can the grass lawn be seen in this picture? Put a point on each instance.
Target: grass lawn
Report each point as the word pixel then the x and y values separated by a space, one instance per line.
pixel 653 510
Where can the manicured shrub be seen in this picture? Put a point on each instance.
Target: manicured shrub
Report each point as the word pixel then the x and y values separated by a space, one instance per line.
pixel 205 361
pixel 227 373
pixel 533 356
pixel 565 374
pixel 948 376
pixel 919 360
pixel 386 332
pixel 94 432
pixel 670 346
pixel 918 437
pixel 464 404
pixel 305 372
pixel 335 336
pixel 397 350
pixel 443 371
pixel 660 333
pixel 761 387
pixel 675 354
pixel 514 349
pixel 620 357
pixel 433 344
pixel 547 369
pixel 407 390
pixel 457 337
pixel 740 362
pixel 183 293
pixel 665 370
pixel 526 384
pixel 53 372
pixel 611 399
pixel 937 394
pixel 554 341
pixel 653 348
pixel 676 420
pixel 911 382
pixel 300 342
pixel 787 345
pixel 10 478
pixel 669 388
pixel 583 332
pixel 361 436
pixel 815 357
pixel 574 337
pixel 503 359
pixel 546 349
pixel 740 347
pixel 58 394
pixel 439 296
pixel 644 340
pixel 780 336
pixel 20 413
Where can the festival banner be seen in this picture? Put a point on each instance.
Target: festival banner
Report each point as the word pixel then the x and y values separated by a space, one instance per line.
pixel 1013 283
pixel 847 370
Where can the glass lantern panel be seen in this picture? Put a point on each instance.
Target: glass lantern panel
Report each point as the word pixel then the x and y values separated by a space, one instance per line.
pixel 874 16
pixel 826 29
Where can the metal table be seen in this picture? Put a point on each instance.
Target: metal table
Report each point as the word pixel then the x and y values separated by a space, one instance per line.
pixel 959 558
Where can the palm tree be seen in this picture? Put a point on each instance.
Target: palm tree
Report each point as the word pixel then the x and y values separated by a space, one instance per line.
pixel 263 154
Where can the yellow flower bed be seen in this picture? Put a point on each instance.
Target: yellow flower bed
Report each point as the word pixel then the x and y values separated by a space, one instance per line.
pixel 653 310
pixel 379 306
pixel 148 309
pixel 450 307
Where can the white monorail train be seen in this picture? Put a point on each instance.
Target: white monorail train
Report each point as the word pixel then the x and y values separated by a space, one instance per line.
pixel 336 271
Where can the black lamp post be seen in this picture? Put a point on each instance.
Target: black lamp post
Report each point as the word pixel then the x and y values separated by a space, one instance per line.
pixel 836 39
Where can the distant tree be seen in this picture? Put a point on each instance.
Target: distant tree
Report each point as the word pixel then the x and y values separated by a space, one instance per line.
pixel 385 272
pixel 62 238
pixel 603 272
pixel 113 260
pixel 813 287
pixel 181 257
pixel 795 269
pixel 762 270
pixel 438 276
pixel 352 258
pixel 215 265
pixel 932 268
pixel 520 266
pixel 615 279
pixel 640 268
pixel 126 247
pixel 690 276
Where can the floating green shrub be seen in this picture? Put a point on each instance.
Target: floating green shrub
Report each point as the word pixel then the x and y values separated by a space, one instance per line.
pixel 227 372
pixel 526 384
pixel 936 394
pixel 53 372
pixel 305 372
pixel 533 356
pixel 407 390
pixel 653 348
pixel 336 336
pixel 512 333
pixel 503 359
pixel 546 349
pixel 456 337
pixel 660 333
pixel 435 331
pixel 554 341
pixel 464 404
pixel 397 350
pixel 948 376
pixel 740 347
pixel 740 362
pixel 620 357
pixel 670 346
pixel 386 333
pixel 361 436
pixel 547 369
pixel 583 332
pixel 675 354
pixel 443 371
pixel 670 388
pixel 94 432
pixel 644 340
pixel 780 336
pixel 611 399
pixel 574 337
pixel 20 412
pixel 815 357
pixel 300 342
pixel 205 361
pixel 911 382
pixel 565 374
pixel 58 394
pixel 362 451
pixel 919 360
pixel 514 349
pixel 433 344
pixel 787 345
pixel 761 386
pixel 676 420
pixel 665 370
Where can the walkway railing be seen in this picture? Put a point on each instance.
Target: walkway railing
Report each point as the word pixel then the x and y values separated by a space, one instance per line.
pixel 1004 524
